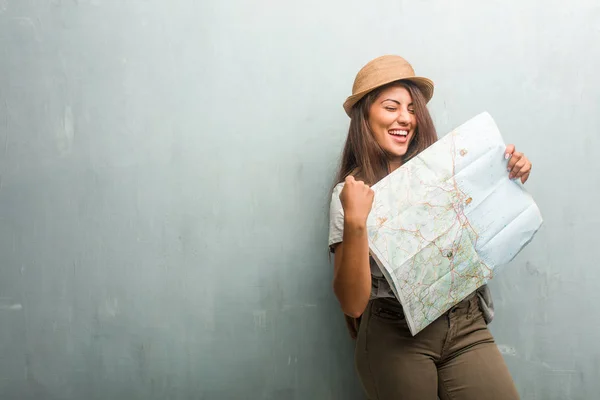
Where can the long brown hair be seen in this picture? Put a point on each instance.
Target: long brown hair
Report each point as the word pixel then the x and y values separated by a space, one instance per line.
pixel 363 155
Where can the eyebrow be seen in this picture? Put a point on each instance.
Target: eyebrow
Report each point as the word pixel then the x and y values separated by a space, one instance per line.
pixel 395 101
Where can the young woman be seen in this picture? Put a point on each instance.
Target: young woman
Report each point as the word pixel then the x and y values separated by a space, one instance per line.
pixel 455 357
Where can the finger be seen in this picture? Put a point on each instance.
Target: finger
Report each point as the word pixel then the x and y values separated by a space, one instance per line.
pixel 369 190
pixel 517 168
pixel 526 168
pixel 366 190
pixel 516 156
pixel 525 177
pixel 524 171
pixel 349 179
pixel 510 149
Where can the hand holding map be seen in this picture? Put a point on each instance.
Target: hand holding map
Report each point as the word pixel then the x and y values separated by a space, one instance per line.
pixel 441 224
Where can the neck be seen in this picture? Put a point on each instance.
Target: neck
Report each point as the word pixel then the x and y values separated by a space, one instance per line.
pixel 395 164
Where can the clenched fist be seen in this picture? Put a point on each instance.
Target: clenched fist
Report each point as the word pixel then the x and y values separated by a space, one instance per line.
pixel 357 199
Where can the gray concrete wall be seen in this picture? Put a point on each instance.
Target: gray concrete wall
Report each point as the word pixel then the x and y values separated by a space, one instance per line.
pixel 164 168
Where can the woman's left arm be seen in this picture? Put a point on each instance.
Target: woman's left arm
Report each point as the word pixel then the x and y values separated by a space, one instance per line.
pixel 519 165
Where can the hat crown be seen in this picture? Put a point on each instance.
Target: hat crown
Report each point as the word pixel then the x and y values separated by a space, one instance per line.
pixel 380 70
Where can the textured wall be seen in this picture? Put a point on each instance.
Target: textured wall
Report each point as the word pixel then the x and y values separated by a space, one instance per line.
pixel 164 168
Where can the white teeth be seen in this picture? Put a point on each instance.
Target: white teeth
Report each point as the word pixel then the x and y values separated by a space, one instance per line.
pixel 399 133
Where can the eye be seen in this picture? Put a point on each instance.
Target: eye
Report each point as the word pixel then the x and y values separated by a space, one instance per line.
pixel 411 110
pixel 392 109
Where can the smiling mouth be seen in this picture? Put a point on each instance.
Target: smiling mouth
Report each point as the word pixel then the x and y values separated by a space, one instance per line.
pixel 398 132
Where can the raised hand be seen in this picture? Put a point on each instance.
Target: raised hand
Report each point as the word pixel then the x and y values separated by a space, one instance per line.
pixel 357 200
pixel 519 165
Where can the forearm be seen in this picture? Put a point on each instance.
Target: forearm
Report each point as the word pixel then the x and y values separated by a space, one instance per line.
pixel 352 276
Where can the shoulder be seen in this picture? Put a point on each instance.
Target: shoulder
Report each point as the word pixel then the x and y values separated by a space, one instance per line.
pixel 336 217
pixel 336 204
pixel 337 189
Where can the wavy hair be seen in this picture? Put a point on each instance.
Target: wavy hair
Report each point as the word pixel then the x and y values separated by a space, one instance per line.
pixel 362 155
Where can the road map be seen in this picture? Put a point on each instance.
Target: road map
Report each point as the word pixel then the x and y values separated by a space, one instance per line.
pixel 442 223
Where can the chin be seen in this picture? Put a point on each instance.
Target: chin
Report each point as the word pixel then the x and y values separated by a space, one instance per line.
pixel 395 150
pixel 400 152
pixel 397 153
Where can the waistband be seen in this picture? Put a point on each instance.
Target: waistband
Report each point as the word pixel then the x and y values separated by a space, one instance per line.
pixel 393 306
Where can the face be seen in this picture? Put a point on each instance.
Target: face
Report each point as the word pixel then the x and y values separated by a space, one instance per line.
pixel 393 122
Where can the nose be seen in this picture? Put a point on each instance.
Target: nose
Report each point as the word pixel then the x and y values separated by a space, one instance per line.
pixel 403 116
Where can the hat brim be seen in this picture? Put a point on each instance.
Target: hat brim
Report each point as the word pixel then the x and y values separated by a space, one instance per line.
pixel 424 84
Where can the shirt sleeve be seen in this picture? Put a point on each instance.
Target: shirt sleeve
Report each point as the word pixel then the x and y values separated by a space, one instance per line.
pixel 336 217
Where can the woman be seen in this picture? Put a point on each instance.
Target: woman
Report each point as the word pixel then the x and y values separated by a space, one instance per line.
pixel 455 357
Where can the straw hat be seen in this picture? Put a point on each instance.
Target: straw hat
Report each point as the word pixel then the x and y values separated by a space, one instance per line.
pixel 381 71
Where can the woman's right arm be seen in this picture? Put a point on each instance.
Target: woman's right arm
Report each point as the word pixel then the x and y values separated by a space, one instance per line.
pixel 352 273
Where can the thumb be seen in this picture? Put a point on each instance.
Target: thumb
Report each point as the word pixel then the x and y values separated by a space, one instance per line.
pixel 510 149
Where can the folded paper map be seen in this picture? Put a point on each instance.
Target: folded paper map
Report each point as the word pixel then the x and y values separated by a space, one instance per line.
pixel 444 222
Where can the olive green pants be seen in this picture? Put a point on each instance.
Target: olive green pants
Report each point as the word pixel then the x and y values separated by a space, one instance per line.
pixel 455 357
